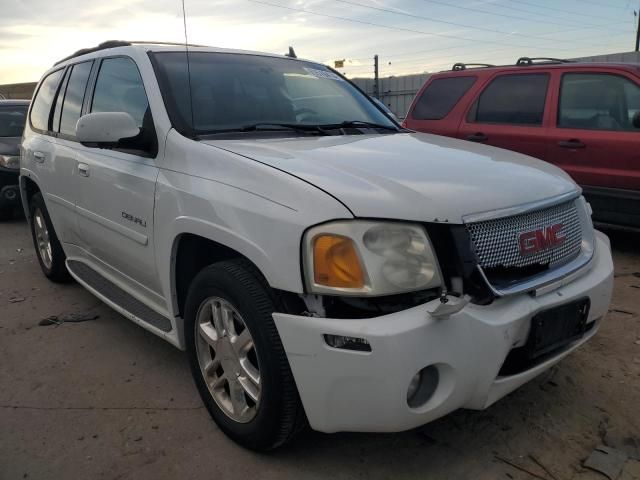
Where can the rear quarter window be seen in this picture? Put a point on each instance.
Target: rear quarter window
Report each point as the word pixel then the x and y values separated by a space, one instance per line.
pixel 440 96
pixel 41 109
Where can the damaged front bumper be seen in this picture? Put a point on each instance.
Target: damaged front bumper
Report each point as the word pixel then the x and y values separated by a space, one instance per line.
pixel 346 390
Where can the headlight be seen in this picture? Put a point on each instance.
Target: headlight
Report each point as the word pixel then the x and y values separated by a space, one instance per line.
pixel 369 258
pixel 10 161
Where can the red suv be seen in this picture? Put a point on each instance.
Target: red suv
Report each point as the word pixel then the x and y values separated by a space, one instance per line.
pixel 582 117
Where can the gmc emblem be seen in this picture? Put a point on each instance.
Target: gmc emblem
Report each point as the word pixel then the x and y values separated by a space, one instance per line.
pixel 542 239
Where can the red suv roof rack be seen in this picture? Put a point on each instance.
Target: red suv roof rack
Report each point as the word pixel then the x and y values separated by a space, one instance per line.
pixel 527 61
pixel 463 66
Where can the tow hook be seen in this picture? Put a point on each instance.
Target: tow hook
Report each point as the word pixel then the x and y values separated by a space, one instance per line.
pixel 449 305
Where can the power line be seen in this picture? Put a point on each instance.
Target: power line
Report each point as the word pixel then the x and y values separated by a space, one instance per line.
pixel 604 4
pixel 524 2
pixel 502 32
pixel 470 9
pixel 400 29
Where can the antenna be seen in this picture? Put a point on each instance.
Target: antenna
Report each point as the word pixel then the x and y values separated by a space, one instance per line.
pixel 186 46
pixel 291 52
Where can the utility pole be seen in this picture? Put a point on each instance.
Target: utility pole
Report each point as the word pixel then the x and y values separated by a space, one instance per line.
pixel 376 84
pixel 638 31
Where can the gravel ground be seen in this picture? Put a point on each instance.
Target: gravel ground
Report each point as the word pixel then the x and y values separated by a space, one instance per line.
pixel 106 399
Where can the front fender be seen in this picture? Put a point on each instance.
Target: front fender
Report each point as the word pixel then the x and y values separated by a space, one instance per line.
pixel 266 232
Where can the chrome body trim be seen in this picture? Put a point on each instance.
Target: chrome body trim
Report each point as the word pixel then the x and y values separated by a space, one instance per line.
pixel 518 209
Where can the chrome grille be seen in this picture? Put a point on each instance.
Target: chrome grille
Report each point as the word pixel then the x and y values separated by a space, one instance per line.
pixel 496 241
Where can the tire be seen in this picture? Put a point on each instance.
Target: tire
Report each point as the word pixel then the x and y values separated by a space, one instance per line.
pixel 51 259
pixel 278 414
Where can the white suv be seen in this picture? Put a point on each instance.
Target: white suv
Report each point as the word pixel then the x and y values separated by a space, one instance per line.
pixel 317 262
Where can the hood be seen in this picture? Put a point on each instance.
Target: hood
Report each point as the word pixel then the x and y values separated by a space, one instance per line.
pixel 10 145
pixel 409 176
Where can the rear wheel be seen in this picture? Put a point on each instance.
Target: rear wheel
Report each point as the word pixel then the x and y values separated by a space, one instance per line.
pixel 48 249
pixel 237 358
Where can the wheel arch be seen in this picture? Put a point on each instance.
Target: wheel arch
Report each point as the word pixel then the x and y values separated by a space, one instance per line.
pixel 193 249
pixel 28 188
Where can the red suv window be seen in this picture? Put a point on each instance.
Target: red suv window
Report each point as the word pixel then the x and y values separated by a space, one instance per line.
pixel 440 96
pixel 598 101
pixel 512 99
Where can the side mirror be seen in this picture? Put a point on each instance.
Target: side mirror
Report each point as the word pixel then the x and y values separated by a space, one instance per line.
pixel 106 128
pixel 636 120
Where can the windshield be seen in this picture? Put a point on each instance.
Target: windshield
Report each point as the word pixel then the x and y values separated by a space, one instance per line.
pixel 232 91
pixel 12 119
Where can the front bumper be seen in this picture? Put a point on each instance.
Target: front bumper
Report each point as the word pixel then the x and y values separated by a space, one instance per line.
pixel 344 390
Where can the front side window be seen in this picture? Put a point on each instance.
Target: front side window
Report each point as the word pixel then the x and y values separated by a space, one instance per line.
pixel 597 101
pixel 73 97
pixel 12 120
pixel 41 108
pixel 440 96
pixel 229 92
pixel 512 99
pixel 119 88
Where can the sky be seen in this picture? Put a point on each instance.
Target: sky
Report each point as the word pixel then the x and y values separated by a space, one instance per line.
pixel 410 36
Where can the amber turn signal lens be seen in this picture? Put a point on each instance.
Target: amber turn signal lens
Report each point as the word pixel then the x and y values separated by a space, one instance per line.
pixel 336 262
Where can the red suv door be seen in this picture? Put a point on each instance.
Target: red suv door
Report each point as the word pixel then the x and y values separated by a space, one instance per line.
pixel 511 112
pixel 595 139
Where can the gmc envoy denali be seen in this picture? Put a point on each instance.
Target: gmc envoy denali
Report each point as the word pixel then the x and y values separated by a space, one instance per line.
pixel 319 264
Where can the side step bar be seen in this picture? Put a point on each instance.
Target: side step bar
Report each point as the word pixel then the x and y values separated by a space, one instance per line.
pixel 118 297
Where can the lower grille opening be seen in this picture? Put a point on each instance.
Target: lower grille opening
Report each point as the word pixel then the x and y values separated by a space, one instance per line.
pixel 518 360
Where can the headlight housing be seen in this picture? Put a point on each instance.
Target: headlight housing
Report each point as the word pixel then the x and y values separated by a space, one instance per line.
pixel 366 258
pixel 10 161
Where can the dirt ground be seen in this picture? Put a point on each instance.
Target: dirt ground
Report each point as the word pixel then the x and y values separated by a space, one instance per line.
pixel 104 399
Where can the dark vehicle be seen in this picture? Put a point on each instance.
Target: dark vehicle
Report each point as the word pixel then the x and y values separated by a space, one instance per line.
pixel 13 114
pixel 582 117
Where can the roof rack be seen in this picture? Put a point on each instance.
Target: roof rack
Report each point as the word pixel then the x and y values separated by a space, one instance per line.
pixel 463 66
pixel 527 61
pixel 102 46
pixel 122 43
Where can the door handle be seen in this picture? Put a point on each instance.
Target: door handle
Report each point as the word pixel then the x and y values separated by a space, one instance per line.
pixel 572 143
pixel 83 169
pixel 478 137
pixel 38 156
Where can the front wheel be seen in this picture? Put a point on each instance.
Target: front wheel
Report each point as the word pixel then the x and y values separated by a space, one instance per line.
pixel 237 358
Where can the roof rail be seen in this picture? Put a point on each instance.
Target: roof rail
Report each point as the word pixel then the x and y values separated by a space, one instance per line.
pixel 527 61
pixel 152 42
pixel 102 46
pixel 463 66
pixel 122 43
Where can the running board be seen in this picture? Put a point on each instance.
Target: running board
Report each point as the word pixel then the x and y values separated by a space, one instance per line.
pixel 116 296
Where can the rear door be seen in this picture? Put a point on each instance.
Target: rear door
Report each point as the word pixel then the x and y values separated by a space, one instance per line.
pixel 52 164
pixel 117 186
pixel 511 112
pixel 595 141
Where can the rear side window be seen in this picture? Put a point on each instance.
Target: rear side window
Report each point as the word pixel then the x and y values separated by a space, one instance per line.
pixel 440 96
pixel 73 98
pixel 512 99
pixel 41 108
pixel 598 101
pixel 119 88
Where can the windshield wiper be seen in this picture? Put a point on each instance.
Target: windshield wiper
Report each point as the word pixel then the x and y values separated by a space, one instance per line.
pixel 272 127
pixel 359 123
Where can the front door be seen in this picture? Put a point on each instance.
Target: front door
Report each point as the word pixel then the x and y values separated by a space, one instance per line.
pixel 117 186
pixel 596 142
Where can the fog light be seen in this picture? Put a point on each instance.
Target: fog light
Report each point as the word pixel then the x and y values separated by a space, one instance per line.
pixel 413 386
pixel 422 386
pixel 347 343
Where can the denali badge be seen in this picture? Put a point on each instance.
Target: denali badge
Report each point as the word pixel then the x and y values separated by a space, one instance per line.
pixel 543 239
